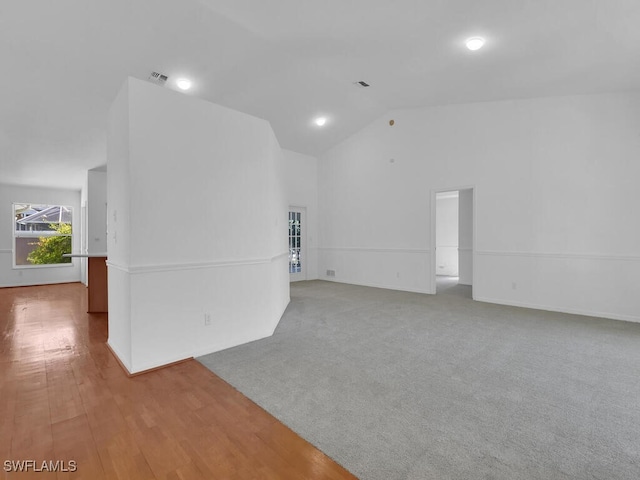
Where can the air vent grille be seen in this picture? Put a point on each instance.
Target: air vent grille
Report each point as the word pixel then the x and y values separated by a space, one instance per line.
pixel 158 78
pixel 362 84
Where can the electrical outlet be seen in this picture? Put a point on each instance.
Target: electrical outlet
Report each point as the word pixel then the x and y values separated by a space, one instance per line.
pixel 514 285
pixel 331 273
pixel 207 319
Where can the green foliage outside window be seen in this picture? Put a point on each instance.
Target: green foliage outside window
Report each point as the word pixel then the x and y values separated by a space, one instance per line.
pixel 49 250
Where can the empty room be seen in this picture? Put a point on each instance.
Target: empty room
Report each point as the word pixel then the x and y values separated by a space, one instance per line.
pixel 376 240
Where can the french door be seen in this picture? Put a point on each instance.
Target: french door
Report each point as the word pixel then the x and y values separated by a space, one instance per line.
pixel 297 244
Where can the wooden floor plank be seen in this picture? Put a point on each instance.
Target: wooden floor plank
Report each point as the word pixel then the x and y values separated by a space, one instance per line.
pixel 70 444
pixel 65 398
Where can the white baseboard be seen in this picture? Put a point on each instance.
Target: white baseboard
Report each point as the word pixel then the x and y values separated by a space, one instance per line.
pixel 38 283
pixel 377 285
pixel 574 311
pixel 119 356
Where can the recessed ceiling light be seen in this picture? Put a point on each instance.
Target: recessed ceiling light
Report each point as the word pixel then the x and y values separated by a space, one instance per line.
pixel 320 121
pixel 183 83
pixel 475 43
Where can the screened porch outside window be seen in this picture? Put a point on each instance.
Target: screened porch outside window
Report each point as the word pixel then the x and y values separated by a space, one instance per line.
pixel 42 234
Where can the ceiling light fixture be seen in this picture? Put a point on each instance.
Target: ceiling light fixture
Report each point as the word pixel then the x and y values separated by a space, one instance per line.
pixel 475 43
pixel 183 83
pixel 320 121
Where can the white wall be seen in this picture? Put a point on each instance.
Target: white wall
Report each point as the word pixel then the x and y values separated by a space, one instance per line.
pixel 84 192
pixel 447 234
pixel 93 217
pixel 97 211
pixel 301 190
pixel 555 189
pixel 373 214
pixel 197 227
pixel 10 277
pixel 465 237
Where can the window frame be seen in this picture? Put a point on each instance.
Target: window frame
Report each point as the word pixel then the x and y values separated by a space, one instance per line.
pixel 34 235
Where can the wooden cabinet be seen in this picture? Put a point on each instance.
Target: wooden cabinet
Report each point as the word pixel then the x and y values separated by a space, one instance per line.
pixel 97 276
pixel 98 298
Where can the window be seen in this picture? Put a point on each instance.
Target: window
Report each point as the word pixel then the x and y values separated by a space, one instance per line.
pixel 42 234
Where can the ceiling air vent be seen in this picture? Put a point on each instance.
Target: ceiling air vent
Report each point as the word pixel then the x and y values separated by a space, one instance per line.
pixel 158 78
pixel 362 84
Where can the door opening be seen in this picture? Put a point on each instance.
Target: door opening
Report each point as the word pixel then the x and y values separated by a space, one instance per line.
pixel 453 240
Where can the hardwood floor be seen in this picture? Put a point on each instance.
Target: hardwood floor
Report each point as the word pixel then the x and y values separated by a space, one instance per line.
pixel 65 398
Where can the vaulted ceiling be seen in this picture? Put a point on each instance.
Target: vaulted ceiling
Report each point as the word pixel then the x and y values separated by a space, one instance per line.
pixel 288 61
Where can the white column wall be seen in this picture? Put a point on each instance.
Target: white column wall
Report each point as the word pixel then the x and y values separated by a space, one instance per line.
pixel 118 228
pixel 207 260
pixel 555 187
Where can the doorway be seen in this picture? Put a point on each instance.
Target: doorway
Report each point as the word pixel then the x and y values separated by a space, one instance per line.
pixel 452 228
pixel 297 244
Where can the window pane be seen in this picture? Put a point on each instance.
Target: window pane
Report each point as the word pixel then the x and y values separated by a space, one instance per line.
pixel 42 234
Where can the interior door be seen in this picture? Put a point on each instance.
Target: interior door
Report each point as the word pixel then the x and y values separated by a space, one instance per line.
pixel 297 244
